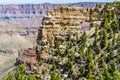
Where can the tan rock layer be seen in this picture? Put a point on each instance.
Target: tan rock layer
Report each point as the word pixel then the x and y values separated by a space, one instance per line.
pixel 58 21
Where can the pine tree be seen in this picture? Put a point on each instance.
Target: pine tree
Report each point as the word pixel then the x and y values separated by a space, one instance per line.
pixel 84 38
pixel 118 43
pixel 105 23
pixel 53 75
pixel 66 50
pixel 109 48
pixel 115 25
pixel 109 16
pixel 106 5
pixel 8 77
pixel 104 39
pixel 81 50
pixel 58 77
pixel 53 67
pixel 113 66
pixel 57 44
pixel 70 66
pixel 72 56
pixel 113 40
pixel 96 35
pixel 110 33
pixel 21 68
pixel 58 52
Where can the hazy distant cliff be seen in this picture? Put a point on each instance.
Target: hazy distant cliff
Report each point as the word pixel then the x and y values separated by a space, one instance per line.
pixel 25 14
pixel 38 8
pixel 26 8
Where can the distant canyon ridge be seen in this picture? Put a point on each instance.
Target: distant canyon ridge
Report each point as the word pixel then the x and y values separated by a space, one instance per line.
pixel 30 15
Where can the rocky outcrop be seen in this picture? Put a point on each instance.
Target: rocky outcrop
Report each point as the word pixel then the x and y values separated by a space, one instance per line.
pixel 28 57
pixel 60 22
pixel 64 22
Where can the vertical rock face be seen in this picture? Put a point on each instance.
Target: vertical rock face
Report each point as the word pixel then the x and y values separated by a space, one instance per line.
pixel 57 23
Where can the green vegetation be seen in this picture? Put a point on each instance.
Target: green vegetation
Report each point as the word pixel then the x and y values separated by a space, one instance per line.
pixel 92 56
pixel 19 74
pixel 104 38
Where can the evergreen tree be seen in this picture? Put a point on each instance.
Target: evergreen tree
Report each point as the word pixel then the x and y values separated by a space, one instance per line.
pixel 113 40
pixel 57 44
pixel 66 50
pixel 104 39
pixel 110 33
pixel 105 23
pixel 109 16
pixel 84 38
pixel 109 48
pixel 118 43
pixel 58 52
pixel 72 56
pixel 116 75
pixel 53 75
pixel 115 25
pixel 70 66
pixel 21 68
pixel 8 77
pixel 96 35
pixel 81 50
pixel 53 67
pixel 106 5
pixel 113 66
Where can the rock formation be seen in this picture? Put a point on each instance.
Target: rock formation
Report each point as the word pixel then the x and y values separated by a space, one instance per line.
pixel 25 14
pixel 57 23
pixel 28 57
pixel 63 20
pixel 38 8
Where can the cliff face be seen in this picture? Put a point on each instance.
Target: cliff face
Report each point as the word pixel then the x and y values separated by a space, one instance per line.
pixel 39 8
pixel 60 22
pixel 64 22
pixel 26 8
pixel 25 14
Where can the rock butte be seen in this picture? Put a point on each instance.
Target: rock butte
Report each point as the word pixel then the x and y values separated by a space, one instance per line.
pixel 58 21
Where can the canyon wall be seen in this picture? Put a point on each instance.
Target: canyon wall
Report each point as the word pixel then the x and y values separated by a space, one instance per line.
pixel 25 14
pixel 39 8
pixel 62 21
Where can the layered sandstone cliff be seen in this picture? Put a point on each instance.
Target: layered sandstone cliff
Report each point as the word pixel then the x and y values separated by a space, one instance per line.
pixel 58 23
pixel 64 22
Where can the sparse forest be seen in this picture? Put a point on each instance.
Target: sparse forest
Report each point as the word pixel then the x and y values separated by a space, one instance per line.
pixel 94 56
